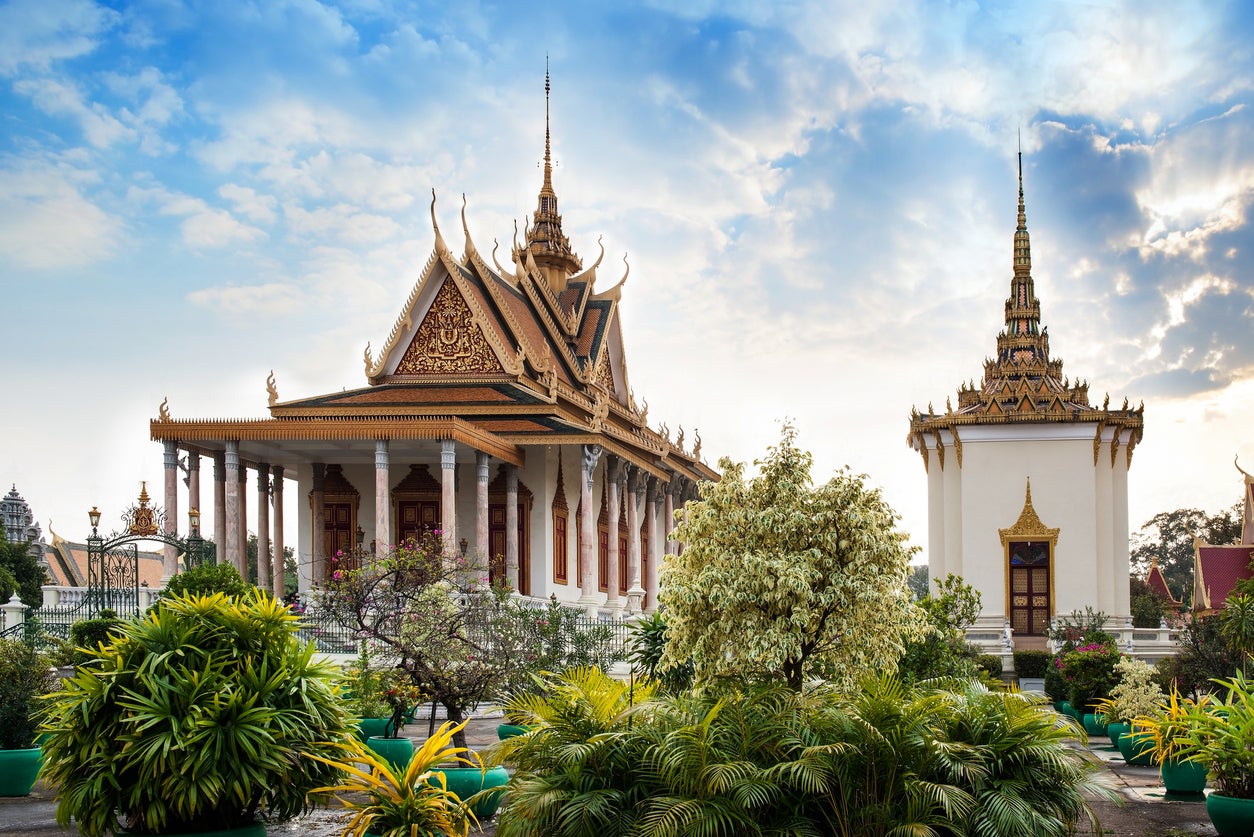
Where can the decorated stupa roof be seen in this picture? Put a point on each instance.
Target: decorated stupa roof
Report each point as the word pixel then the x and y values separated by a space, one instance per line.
pixel 1022 383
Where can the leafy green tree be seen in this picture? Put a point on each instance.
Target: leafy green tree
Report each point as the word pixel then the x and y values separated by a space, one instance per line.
pixel 1168 536
pixel 20 571
pixel 291 583
pixel 918 581
pixel 780 580
pixel 942 650
pixel 1147 605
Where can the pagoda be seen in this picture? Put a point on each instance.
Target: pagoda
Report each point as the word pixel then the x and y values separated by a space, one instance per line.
pixel 498 411
pixel 1028 480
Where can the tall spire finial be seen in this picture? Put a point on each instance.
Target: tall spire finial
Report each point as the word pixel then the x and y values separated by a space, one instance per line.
pixel 548 157
pixel 545 239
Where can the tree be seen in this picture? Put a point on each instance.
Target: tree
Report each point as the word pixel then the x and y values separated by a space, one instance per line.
pixel 942 650
pixel 20 571
pixel 1147 605
pixel 431 616
pixel 291 583
pixel 1168 536
pixel 779 580
pixel 918 581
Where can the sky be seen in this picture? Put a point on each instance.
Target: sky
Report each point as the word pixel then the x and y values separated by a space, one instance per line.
pixel 816 200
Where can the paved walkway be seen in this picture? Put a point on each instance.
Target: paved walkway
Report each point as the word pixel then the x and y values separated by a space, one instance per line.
pixel 1146 812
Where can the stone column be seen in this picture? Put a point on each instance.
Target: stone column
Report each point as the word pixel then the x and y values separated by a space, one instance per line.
pixel 668 515
pixel 512 566
pixel 634 495
pixel 614 474
pixel 243 521
pixel 193 482
pixel 481 509
pixel 588 531
pixel 277 571
pixel 263 526
pixel 448 495
pixel 318 557
pixel 234 549
pixel 654 497
pixel 382 499
pixel 219 507
pixel 170 555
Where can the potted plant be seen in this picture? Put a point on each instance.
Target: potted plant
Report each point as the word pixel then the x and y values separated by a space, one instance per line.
pixel 390 802
pixel 1137 694
pixel 363 696
pixel 1090 673
pixel 193 717
pixel 1031 666
pixel 25 674
pixel 399 697
pixel 1219 736
pixel 1164 729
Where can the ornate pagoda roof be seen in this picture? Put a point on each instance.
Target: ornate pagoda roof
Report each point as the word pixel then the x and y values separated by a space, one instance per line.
pixel 1022 383
pixel 495 358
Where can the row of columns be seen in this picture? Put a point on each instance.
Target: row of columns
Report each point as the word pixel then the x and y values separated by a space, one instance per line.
pixel 230 532
pixel 638 488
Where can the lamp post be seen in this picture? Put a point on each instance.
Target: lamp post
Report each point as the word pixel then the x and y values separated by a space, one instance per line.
pixel 195 543
pixel 95 558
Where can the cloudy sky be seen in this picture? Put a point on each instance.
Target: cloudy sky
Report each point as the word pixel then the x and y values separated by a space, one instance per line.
pixel 817 201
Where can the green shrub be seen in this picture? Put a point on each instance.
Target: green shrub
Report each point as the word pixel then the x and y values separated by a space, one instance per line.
pixel 646 642
pixel 1090 673
pixel 25 674
pixel 205 580
pixel 1031 663
pixel 989 664
pixel 87 635
pixel 196 716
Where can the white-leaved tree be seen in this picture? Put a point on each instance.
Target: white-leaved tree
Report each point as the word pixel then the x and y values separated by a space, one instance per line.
pixel 782 580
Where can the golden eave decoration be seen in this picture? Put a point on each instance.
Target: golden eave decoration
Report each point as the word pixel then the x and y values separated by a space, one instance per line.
pixel 1029 526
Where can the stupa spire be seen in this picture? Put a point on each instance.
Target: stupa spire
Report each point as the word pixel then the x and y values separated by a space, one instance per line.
pixel 1023 341
pixel 548 245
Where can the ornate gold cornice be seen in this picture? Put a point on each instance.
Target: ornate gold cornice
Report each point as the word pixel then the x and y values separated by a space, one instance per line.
pixel 1029 525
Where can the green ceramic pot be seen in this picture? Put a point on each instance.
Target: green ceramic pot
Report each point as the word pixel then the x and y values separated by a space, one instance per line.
pixel 468 781
pixel 1092 726
pixel 18 769
pixel 1231 817
pixel 1137 753
pixel 367 727
pixel 1184 777
pixel 1114 730
pixel 395 751
pixel 504 731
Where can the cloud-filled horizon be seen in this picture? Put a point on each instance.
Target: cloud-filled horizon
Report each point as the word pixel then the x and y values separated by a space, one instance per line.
pixel 816 201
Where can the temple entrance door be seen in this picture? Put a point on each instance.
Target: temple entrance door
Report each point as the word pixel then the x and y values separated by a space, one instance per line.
pixel 415 517
pixel 1029 587
pixel 496 547
pixel 339 541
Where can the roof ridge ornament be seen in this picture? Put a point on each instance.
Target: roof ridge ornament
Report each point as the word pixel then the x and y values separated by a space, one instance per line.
pixel 273 393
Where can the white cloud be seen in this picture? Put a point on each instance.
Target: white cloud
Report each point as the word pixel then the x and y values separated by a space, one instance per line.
pixel 35 34
pixel 249 203
pixel 203 227
pixel 57 98
pixel 277 298
pixel 340 222
pixel 46 220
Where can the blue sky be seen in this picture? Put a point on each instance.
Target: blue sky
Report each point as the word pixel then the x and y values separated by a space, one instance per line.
pixel 817 201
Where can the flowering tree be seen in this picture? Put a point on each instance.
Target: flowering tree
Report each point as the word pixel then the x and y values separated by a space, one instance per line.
pixel 432 617
pixel 782 580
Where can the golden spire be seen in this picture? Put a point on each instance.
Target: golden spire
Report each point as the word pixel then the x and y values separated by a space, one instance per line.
pixel 548 245
pixel 1023 341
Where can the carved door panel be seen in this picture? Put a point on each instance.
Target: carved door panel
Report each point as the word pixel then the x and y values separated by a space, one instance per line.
pixel 414 517
pixel 1029 588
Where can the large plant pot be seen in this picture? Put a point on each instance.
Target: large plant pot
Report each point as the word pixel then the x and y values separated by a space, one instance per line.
pixel 1231 817
pixel 18 769
pixel 1032 684
pixel 395 751
pixel 1115 730
pixel 1093 726
pixel 368 727
pixel 1181 777
pixel 468 781
pixel 504 731
pixel 1063 706
pixel 1137 752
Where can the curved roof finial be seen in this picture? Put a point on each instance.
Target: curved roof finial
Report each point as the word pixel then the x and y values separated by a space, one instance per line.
pixel 471 250
pixel 440 246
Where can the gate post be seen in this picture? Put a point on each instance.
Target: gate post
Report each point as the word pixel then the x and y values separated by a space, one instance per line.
pixel 14 612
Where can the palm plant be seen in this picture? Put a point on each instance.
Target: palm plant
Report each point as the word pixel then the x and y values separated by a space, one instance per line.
pixel 1009 752
pixel 401 803
pixel 194 716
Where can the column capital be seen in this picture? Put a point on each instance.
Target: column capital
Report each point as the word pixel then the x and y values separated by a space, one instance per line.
pixel 381 453
pixel 448 454
pixel 481 466
pixel 263 477
pixel 232 456
pixel 193 461
pixel 277 470
pixel 170 454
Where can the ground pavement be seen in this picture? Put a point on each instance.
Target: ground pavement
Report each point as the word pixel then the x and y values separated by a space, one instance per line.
pixel 1146 812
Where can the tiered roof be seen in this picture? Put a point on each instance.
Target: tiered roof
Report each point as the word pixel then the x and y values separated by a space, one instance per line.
pixel 1022 383
pixel 1217 567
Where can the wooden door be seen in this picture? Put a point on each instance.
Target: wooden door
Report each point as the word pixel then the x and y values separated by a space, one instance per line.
pixel 1029 588
pixel 416 517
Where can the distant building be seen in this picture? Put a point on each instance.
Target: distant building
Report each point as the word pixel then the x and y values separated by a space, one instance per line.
pixel 1028 481
pixel 19 523
pixel 1218 567
pixel 498 411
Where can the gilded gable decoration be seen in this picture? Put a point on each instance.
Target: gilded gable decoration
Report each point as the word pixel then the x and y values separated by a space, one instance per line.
pixel 448 341
pixel 1029 526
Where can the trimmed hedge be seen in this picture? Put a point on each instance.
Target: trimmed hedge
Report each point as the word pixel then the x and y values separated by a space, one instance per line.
pixel 1031 663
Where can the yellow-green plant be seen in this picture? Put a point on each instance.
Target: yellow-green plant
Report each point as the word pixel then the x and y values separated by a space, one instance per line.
pixel 1219 736
pixel 1166 725
pixel 412 802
